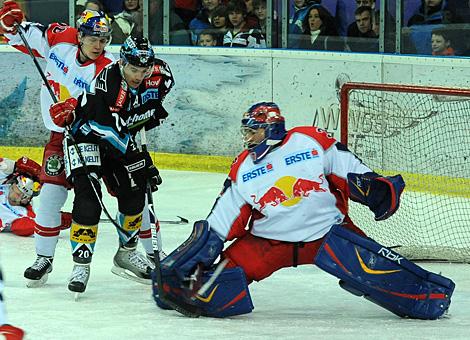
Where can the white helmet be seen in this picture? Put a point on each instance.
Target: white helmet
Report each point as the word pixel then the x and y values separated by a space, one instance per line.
pixel 28 187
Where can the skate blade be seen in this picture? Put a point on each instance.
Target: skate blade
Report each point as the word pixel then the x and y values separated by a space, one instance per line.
pixel 37 283
pixel 127 274
pixel 76 296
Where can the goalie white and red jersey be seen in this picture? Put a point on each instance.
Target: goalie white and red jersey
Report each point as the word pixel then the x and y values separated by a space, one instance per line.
pixel 10 214
pixel 295 194
pixel 59 45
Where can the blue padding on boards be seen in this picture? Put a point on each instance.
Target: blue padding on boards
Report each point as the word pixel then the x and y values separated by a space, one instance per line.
pixel 382 276
pixel 228 295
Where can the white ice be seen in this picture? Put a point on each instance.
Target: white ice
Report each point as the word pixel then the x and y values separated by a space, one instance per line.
pixel 294 303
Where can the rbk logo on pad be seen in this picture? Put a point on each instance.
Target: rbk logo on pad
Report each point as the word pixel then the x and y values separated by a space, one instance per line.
pixel 371 263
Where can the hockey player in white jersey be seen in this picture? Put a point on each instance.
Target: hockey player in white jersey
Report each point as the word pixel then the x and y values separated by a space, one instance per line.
pixel 19 183
pixel 284 204
pixel 73 58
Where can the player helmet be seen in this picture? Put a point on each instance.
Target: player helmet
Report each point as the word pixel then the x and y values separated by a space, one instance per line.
pixel 94 23
pixel 137 51
pixel 28 187
pixel 264 115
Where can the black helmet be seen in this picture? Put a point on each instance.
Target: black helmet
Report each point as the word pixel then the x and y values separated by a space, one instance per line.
pixel 137 52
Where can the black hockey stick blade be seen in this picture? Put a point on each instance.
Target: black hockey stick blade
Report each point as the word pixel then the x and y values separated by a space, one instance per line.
pixel 181 220
pixel 181 307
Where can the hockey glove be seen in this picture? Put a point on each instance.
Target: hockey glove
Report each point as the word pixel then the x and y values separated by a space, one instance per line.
pixel 65 220
pixel 151 172
pixel 10 14
pixel 63 113
pixel 26 166
pixel 380 194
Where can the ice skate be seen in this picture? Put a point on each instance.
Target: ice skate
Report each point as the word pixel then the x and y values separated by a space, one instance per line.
pixel 38 273
pixel 130 264
pixel 79 279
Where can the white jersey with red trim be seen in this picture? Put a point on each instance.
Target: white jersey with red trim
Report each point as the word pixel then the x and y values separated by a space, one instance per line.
pixel 296 193
pixel 58 45
pixel 8 212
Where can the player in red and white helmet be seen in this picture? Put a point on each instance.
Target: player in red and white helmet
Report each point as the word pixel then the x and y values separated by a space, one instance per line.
pixel 73 58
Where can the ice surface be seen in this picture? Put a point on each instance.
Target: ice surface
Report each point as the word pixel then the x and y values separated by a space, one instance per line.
pixel 294 303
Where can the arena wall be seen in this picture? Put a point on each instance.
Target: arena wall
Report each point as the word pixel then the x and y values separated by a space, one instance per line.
pixel 214 87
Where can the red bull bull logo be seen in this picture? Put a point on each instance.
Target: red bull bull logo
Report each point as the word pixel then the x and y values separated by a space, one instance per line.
pixel 288 191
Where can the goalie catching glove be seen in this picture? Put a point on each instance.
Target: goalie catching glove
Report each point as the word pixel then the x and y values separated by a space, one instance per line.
pixel 380 194
pixel 10 14
pixel 63 113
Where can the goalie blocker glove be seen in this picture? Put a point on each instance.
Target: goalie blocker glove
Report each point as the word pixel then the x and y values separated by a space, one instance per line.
pixel 380 194
pixel 10 14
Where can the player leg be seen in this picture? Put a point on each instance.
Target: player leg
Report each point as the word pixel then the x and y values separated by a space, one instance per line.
pixel 48 217
pixel 84 229
pixel 368 269
pixel 128 262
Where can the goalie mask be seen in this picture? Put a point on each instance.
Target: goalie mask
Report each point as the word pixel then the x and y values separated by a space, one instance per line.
pixel 262 128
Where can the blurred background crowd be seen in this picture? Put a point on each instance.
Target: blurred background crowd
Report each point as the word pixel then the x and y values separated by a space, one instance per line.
pixel 429 27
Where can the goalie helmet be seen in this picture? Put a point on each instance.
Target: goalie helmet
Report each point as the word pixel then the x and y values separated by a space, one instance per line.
pixel 137 52
pixel 94 23
pixel 264 115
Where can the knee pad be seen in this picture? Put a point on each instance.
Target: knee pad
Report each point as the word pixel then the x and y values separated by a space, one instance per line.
pixel 202 247
pixel 367 268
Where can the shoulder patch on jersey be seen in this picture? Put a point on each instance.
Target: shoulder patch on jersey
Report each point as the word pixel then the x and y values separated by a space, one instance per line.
pixel 61 33
pixel 323 137
pixel 100 83
pixel 236 165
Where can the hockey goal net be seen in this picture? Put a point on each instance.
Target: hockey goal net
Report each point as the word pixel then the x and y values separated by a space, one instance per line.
pixel 422 133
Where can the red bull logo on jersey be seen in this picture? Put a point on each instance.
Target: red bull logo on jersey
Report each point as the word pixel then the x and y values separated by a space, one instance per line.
pixel 257 172
pixel 289 191
pixel 301 156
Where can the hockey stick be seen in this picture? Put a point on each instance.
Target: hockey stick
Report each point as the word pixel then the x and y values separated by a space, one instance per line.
pixel 181 220
pixel 68 132
pixel 179 306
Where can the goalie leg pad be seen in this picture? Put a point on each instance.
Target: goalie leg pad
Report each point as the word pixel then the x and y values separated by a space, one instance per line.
pixel 367 268
pixel 202 247
pixel 228 295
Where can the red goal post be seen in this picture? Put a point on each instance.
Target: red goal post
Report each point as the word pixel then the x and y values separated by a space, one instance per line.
pixel 422 133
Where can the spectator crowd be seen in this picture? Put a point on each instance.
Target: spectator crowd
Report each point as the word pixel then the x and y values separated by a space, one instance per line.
pixel 432 27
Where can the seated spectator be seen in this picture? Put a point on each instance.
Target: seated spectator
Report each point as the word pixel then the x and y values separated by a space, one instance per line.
pixel 361 36
pixel 320 32
pixel 239 35
pixel 128 22
pixel 207 38
pixel 297 14
pixel 218 19
pixel 201 21
pixel 93 5
pixel 260 10
pixel 251 19
pixel 431 12
pixel 441 44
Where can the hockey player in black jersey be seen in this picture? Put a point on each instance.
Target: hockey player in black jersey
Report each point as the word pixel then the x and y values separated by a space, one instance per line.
pixel 125 97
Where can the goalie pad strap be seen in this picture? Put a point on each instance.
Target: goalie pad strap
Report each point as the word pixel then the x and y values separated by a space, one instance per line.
pixel 386 278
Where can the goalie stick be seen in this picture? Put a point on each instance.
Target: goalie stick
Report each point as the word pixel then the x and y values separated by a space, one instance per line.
pixel 67 131
pixel 179 306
